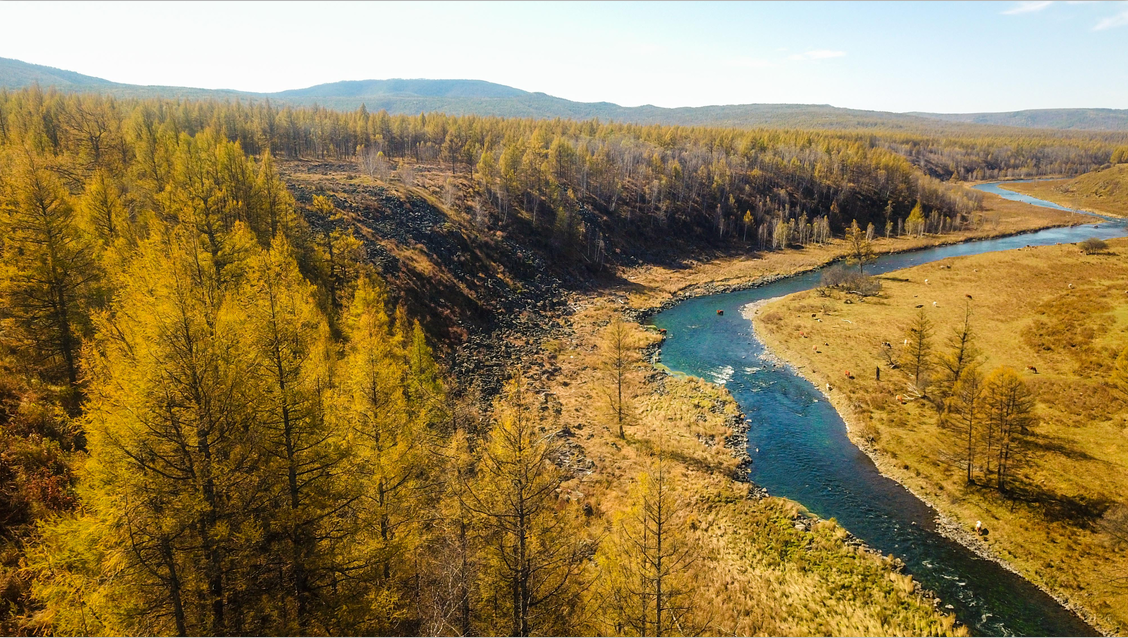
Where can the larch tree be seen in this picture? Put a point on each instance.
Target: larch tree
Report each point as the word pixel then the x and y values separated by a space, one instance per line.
pixel 47 272
pixel 308 456
pixel 618 351
pixel 176 474
pixel 962 355
pixel 966 403
pixel 391 443
pixel 649 562
pixel 1010 410
pixel 915 224
pixel 917 354
pixel 536 555
pixel 860 246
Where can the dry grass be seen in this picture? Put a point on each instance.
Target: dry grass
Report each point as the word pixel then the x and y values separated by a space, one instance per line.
pixel 1054 308
pixel 1104 192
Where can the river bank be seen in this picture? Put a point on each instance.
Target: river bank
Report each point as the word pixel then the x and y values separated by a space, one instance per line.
pixel 1102 192
pixel 1077 456
pixel 946 522
pixel 651 289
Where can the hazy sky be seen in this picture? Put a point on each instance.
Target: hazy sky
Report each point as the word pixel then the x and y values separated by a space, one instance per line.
pixel 932 56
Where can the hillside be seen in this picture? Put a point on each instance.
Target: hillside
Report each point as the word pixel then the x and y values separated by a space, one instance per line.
pixel 1102 191
pixel 477 97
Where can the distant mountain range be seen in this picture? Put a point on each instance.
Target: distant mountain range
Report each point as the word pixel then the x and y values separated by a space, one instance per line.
pixel 477 97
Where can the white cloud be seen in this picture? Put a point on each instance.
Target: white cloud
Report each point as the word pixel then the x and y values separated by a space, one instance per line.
pixel 817 54
pixel 1026 7
pixel 1117 20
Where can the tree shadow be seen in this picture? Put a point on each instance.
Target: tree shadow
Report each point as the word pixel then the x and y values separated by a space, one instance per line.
pixel 1080 510
pixel 1059 445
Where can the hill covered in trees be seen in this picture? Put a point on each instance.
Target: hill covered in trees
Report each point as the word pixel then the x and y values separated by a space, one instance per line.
pixel 1065 119
pixel 476 97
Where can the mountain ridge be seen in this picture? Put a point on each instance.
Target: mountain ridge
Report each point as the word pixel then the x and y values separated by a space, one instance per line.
pixel 412 96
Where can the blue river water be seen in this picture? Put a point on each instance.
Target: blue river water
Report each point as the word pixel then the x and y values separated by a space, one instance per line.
pixel 800 449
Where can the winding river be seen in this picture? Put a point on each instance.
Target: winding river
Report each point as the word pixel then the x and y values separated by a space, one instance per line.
pixel 800 450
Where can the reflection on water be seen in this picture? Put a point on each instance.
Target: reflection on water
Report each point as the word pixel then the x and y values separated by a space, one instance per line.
pixel 800 449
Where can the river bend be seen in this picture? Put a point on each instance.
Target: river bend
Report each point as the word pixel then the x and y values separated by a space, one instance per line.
pixel 800 449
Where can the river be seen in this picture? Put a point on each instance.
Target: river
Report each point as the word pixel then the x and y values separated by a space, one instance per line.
pixel 800 449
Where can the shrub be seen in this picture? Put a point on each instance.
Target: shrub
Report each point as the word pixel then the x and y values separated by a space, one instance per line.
pixel 839 276
pixel 1092 246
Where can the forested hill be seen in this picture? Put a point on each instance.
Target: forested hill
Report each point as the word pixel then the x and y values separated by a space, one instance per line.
pixel 476 97
pixel 1066 119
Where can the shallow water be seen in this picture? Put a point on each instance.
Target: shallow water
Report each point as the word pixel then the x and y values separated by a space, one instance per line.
pixel 800 450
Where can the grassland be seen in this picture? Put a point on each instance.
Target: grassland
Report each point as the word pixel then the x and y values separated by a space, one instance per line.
pixel 1053 308
pixel 1104 191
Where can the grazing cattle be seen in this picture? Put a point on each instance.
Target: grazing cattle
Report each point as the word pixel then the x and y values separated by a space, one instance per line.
pixel 1071 286
pixel 926 282
pixel 848 375
pixel 661 331
pixel 934 305
pixel 815 348
pixel 906 342
pixel 901 399
pixel 886 344
pixel 1032 369
pixel 968 296
pixel 720 312
pixel 828 388
pixel 802 334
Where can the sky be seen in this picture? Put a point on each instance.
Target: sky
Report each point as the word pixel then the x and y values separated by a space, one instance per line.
pixel 891 56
